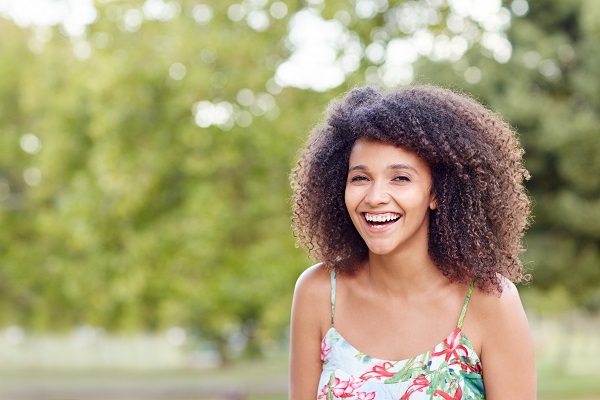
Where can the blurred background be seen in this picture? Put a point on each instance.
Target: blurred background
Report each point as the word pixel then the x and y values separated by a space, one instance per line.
pixel 145 148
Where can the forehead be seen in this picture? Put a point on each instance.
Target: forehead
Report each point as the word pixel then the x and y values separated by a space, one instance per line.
pixel 375 155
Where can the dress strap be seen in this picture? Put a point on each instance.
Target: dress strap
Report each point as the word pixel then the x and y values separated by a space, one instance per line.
pixel 464 308
pixel 333 285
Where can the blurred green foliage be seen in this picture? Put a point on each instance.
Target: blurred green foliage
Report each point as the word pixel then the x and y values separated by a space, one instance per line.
pixel 123 206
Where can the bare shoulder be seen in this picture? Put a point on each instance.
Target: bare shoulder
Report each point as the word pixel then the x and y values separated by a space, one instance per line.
pixel 312 296
pixel 491 315
pixel 494 308
pixel 500 320
pixel 506 346
pixel 310 319
pixel 313 280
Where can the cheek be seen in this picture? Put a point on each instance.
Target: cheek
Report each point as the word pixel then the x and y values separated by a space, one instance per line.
pixel 352 197
pixel 413 199
pixel 348 197
pixel 352 200
pixel 349 206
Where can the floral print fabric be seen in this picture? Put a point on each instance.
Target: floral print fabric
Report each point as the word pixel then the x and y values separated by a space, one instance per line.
pixel 450 371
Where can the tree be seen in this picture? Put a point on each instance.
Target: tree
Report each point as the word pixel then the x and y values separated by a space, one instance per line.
pixel 163 191
pixel 144 164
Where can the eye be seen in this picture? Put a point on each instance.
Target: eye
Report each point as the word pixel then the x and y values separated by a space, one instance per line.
pixel 402 178
pixel 358 178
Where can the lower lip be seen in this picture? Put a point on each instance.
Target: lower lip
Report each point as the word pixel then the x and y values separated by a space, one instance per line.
pixel 380 228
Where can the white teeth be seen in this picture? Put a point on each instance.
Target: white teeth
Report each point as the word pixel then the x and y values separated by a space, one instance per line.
pixel 381 217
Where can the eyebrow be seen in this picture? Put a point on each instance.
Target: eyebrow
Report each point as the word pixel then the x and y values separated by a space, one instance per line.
pixel 361 167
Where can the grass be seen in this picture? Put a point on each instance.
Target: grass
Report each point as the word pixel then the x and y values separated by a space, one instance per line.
pixel 262 379
pixel 554 384
pixel 568 369
pixel 256 380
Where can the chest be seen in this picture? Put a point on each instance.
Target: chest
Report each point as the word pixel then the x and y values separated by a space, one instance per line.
pixel 394 330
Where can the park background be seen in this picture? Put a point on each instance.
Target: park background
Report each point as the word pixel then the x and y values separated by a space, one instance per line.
pixel 145 148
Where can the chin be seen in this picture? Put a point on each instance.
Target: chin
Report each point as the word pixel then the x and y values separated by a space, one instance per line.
pixel 381 251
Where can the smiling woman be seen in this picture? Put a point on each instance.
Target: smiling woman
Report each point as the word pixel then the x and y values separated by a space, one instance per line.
pixel 413 201
pixel 388 196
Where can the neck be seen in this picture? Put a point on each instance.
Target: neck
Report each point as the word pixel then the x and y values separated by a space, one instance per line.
pixel 403 274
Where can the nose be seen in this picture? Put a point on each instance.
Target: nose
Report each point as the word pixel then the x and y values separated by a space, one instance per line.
pixel 377 194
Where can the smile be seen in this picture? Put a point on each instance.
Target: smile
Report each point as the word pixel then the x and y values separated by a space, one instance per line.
pixel 380 221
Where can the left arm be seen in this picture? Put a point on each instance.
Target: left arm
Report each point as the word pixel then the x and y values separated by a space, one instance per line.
pixel 507 353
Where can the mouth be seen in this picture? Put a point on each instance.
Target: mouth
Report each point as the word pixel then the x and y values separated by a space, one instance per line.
pixel 381 221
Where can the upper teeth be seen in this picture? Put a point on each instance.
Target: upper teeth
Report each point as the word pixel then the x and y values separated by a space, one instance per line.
pixel 381 217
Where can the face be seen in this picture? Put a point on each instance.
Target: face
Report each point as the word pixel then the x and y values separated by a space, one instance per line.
pixel 388 196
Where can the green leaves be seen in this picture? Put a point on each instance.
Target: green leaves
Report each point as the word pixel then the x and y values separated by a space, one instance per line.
pixel 158 194
pixel 142 219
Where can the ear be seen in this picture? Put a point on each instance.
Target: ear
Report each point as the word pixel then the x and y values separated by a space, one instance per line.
pixel 433 202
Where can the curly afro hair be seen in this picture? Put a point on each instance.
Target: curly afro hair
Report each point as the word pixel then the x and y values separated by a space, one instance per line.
pixel 477 175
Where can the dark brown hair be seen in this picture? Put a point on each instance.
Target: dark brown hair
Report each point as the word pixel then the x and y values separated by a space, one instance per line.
pixel 477 174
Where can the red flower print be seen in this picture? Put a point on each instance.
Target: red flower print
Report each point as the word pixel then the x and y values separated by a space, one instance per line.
pixel 465 366
pixel 452 346
pixel 418 385
pixel 342 389
pixel 378 372
pixel 325 349
pixel 365 396
pixel 446 396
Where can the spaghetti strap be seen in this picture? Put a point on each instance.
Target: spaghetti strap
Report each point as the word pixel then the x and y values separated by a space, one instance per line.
pixel 464 308
pixel 333 285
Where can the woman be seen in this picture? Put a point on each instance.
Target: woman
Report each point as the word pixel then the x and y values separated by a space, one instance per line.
pixel 414 202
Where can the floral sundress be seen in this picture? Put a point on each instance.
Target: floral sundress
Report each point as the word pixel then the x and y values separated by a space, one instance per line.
pixel 450 371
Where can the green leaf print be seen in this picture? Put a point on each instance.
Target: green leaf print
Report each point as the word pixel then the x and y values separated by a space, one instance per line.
pixel 473 382
pixel 441 379
pixel 406 372
pixel 329 391
pixel 363 358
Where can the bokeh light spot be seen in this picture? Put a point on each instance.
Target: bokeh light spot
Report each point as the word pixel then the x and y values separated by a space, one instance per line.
pixel 245 97
pixel 243 119
pixel 472 75
pixel 132 20
pixel 344 17
pixel 315 46
pixel 159 10
pixel 273 87
pixel 550 69
pixel 82 49
pixel 202 13
pixel 30 143
pixel 365 9
pixel 208 55
pixel 236 12
pixel 32 176
pixel 101 40
pixel 278 10
pixel 375 53
pixel 531 59
pixel 372 75
pixel 519 7
pixel 566 53
pixel 177 71
pixel 258 20
pixel 207 113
